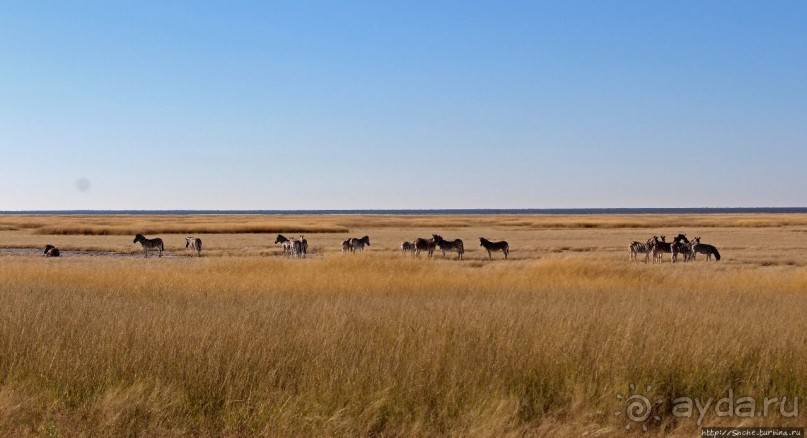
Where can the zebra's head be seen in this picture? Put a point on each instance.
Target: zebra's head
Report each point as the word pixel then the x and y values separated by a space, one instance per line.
pixel 138 238
pixel 663 238
pixel 482 241
pixel 280 238
pixel 682 237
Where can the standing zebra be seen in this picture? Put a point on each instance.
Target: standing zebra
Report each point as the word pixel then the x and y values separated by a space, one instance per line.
pixel 703 248
pixel 149 244
pixel 284 242
pixel 641 248
pixel 194 244
pixel 495 246
pixel 422 244
pixel 359 244
pixel 659 248
pixel 51 251
pixel 299 247
pixel 449 245
pixel 346 246
pixel 407 246
pixel 681 246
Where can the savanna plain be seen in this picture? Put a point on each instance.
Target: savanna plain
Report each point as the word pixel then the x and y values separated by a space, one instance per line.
pixel 247 341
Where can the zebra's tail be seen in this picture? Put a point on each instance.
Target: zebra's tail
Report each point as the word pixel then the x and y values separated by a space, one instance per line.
pixel 717 255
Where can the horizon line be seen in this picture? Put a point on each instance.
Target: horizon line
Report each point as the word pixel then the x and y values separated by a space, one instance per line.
pixel 440 211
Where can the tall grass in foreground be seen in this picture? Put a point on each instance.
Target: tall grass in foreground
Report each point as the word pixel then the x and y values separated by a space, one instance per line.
pixel 360 345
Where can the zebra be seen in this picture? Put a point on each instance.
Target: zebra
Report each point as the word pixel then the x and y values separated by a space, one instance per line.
pixel 681 246
pixel 641 248
pixel 422 244
pixel 51 251
pixel 495 246
pixel 407 246
pixel 660 246
pixel 284 242
pixel 450 245
pixel 149 244
pixel 359 244
pixel 299 247
pixel 346 246
pixel 703 248
pixel 194 244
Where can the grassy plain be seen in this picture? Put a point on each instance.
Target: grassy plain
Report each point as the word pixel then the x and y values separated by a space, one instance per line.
pixel 244 341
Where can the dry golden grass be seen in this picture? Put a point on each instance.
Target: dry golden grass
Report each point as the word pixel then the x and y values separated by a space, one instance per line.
pixel 252 224
pixel 381 344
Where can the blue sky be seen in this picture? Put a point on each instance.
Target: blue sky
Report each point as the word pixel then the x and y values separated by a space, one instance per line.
pixel 322 105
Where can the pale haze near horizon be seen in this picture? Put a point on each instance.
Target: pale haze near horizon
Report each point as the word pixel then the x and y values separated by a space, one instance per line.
pixel 354 105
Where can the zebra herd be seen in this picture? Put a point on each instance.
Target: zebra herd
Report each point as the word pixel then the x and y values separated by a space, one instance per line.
pixel 298 248
pixel 679 246
pixel 438 242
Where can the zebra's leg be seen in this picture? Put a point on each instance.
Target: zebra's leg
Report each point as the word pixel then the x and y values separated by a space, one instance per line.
pixel 490 257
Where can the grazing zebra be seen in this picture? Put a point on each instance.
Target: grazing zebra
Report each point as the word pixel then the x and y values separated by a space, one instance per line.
pixel 284 242
pixel 194 244
pixel 149 244
pixel 427 245
pixel 495 246
pixel 407 246
pixel 359 244
pixel 51 251
pixel 346 246
pixel 660 246
pixel 299 247
pixel 703 248
pixel 449 245
pixel 641 248
pixel 681 246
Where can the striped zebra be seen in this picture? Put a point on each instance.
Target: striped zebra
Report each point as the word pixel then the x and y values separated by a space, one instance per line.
pixel 637 248
pixel 407 246
pixel 427 245
pixel 359 244
pixel 155 244
pixel 284 242
pixel 449 245
pixel 52 251
pixel 346 246
pixel 660 246
pixel 299 247
pixel 495 246
pixel 680 245
pixel 194 244
pixel 703 248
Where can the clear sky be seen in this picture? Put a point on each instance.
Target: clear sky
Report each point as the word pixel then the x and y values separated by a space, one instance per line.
pixel 376 104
